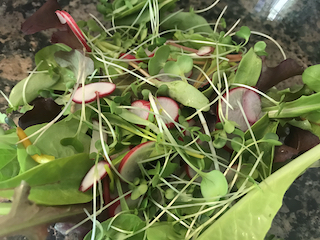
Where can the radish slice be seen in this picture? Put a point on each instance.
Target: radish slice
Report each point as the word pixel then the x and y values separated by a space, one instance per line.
pixel 129 57
pixel 129 165
pixel 65 17
pixel 206 50
pixel 91 90
pixel 96 136
pixel 168 106
pixel 88 180
pixel 144 108
pixel 250 102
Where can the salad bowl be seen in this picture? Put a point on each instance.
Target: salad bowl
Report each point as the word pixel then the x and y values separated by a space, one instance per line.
pixel 197 140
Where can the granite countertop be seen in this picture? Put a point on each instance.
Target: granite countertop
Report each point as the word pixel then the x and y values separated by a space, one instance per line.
pixel 294 24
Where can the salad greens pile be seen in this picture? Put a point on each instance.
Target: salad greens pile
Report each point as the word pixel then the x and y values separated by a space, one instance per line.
pixel 186 146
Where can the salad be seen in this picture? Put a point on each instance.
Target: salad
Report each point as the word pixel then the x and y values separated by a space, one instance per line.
pixel 161 126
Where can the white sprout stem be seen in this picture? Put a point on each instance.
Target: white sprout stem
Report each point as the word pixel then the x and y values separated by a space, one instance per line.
pixel 273 40
pixel 163 211
pixel 26 83
pixel 137 18
pixel 219 18
pixel 193 222
pixel 207 8
pixel 98 223
pixel 249 127
pixel 6 98
pixel 155 109
pixel 99 211
pixel 171 214
pixel 233 27
pixel 206 130
pixel 227 93
pixel 101 25
pixel 123 68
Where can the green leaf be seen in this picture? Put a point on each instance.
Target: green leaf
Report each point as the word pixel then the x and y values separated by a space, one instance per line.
pixel 54 183
pixel 163 231
pixel 186 94
pixel 157 62
pixel 249 69
pixel 244 32
pixel 36 82
pixel 311 77
pixel 213 184
pixel 186 20
pixel 236 143
pixel 259 48
pixel 185 63
pixel 76 61
pixel 296 108
pixel 260 205
pixel 3 117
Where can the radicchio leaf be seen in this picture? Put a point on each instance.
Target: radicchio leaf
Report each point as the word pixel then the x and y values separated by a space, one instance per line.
pixel 271 76
pixel 44 18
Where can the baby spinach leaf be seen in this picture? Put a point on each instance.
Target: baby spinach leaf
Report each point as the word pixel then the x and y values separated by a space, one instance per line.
pixel 50 142
pixel 186 20
pixel 25 160
pixel 45 56
pixel 249 69
pixel 260 205
pixel 36 82
pixel 54 183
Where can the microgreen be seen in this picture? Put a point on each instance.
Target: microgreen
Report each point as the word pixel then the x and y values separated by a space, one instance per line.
pixel 168 173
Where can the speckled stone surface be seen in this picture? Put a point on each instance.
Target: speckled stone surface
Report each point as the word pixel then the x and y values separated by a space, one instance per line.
pixel 294 24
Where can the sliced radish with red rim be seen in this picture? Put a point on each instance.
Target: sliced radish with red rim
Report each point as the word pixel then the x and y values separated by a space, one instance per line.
pixel 91 90
pixel 205 50
pixel 64 18
pixel 142 108
pixel 129 165
pixel 89 178
pixel 250 102
pixel 168 106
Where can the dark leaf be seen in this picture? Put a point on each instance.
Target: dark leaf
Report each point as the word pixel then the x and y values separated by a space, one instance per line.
pixel 271 76
pixel 44 110
pixel 43 19
pixel 302 140
pixel 66 37
pixel 283 153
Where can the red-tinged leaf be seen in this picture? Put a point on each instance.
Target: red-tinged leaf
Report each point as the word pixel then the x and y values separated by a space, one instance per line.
pixel 65 17
pixel 271 76
pixel 43 19
pixel 67 38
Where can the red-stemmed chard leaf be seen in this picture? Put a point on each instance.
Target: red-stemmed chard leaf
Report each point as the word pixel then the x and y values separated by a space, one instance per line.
pixel 44 18
pixel 65 17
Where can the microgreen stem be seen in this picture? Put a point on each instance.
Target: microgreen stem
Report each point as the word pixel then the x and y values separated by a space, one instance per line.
pixel 207 8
